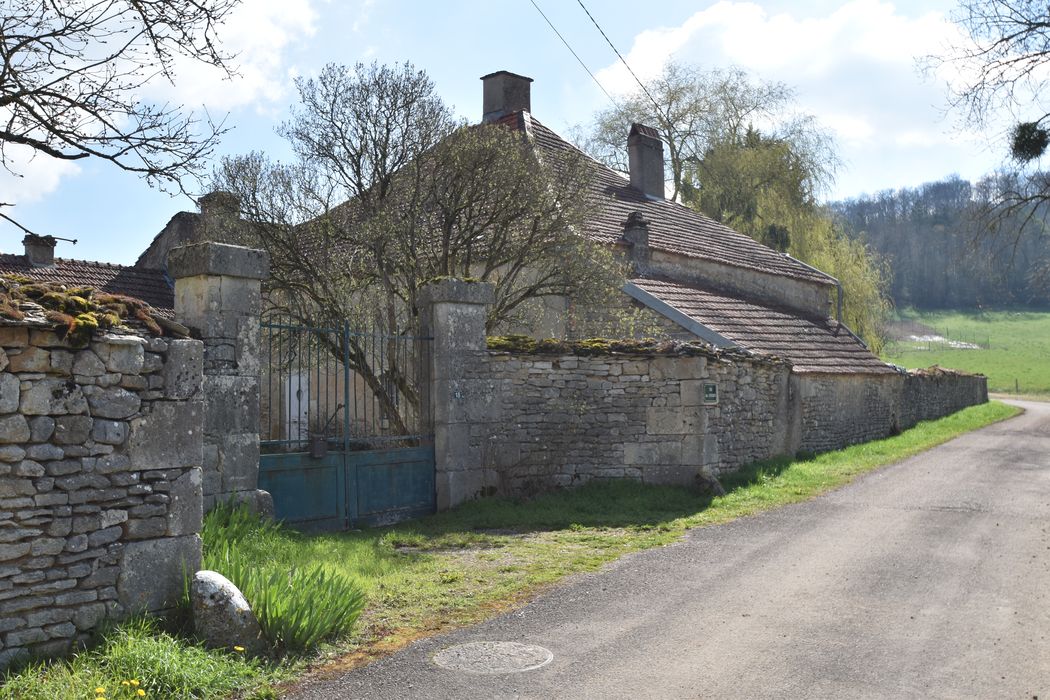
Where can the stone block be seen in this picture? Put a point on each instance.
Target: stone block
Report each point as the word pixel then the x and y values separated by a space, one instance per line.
pixel 41 428
pixel 11 453
pixel 122 354
pixel 170 435
pixel 14 336
pixel 109 432
pixel 87 364
pixel 28 468
pixel 30 360
pixel 114 402
pixel 187 504
pixel 151 571
pixel 232 404
pixel 183 369
pixel 45 452
pixel 54 397
pixel 72 430
pixel 211 259
pixel 239 461
pixel 671 421
pixel 10 393
pixel 11 487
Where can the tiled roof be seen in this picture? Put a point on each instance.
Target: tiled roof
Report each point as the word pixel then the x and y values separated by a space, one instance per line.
pixel 672 227
pixel 811 345
pixel 148 285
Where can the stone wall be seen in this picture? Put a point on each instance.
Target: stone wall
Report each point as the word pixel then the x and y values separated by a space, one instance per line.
pixel 564 420
pixel 100 482
pixel 836 410
pixel 930 394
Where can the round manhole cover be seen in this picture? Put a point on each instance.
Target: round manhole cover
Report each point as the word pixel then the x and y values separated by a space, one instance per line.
pixel 493 657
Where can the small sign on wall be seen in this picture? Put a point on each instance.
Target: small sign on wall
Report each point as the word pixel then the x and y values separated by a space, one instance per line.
pixel 710 394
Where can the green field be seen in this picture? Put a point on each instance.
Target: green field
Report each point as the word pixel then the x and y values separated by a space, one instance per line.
pixel 1014 352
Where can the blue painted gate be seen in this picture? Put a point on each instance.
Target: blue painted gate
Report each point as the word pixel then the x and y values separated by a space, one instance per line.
pixel 347 439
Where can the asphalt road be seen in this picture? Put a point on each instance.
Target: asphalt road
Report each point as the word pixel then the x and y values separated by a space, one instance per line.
pixel 930 578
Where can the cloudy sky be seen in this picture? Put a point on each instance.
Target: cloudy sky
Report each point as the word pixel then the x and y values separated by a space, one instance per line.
pixel 855 65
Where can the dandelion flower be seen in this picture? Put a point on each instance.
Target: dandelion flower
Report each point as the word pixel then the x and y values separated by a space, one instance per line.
pixel 100 690
pixel 141 693
pixel 125 683
pixel 134 682
pixel 239 649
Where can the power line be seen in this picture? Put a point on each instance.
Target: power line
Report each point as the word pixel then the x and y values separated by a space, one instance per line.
pixel 618 55
pixel 580 60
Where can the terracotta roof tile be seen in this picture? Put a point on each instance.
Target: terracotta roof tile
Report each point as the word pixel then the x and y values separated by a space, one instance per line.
pixel 672 227
pixel 150 286
pixel 811 345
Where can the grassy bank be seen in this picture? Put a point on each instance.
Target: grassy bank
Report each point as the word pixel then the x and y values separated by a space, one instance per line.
pixel 1017 355
pixel 465 565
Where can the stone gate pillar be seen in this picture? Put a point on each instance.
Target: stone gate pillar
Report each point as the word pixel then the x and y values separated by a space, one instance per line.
pixel 454 314
pixel 218 295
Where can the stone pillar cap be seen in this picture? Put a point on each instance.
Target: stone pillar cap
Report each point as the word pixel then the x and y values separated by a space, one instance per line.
pixel 458 292
pixel 218 259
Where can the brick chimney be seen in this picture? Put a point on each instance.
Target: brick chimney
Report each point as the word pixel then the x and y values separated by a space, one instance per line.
pixel 636 233
pixel 645 154
pixel 505 93
pixel 40 250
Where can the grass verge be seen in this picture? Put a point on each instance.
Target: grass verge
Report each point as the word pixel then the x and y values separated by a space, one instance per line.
pixel 1016 361
pixel 485 557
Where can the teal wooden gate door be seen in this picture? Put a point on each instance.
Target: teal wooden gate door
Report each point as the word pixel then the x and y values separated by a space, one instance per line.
pixel 347 438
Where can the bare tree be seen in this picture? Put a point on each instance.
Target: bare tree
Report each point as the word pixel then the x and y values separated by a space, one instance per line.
pixel 1002 67
pixel 388 192
pixel 70 76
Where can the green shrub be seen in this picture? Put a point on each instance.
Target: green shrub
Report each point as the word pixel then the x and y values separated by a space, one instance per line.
pixel 298 606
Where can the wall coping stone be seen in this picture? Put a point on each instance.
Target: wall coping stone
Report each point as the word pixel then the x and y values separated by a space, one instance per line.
pixel 219 259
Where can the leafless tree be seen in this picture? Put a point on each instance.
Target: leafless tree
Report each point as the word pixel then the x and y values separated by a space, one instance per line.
pixel 1003 68
pixel 389 192
pixel 71 73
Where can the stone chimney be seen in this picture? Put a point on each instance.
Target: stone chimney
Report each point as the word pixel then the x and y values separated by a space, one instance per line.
pixel 645 153
pixel 40 250
pixel 220 215
pixel 505 93
pixel 636 234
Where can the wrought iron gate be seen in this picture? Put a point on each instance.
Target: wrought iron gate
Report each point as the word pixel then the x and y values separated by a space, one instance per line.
pixel 347 438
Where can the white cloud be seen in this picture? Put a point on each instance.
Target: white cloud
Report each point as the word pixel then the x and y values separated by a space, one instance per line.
pixel 856 67
pixel 37 176
pixel 258 33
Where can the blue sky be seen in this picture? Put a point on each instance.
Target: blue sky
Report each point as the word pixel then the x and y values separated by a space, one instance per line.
pixel 853 65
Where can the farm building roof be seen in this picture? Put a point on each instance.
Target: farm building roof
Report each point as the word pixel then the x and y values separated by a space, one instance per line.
pixel 151 286
pixel 811 345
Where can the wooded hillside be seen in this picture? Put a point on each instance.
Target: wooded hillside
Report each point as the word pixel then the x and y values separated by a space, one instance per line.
pixel 940 252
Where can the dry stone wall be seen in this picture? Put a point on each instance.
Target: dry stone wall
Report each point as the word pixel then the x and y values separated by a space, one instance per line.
pixel 100 482
pixel 930 394
pixel 844 409
pixel 564 420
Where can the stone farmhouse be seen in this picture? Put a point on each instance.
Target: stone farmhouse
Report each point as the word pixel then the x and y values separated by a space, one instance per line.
pixel 808 383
